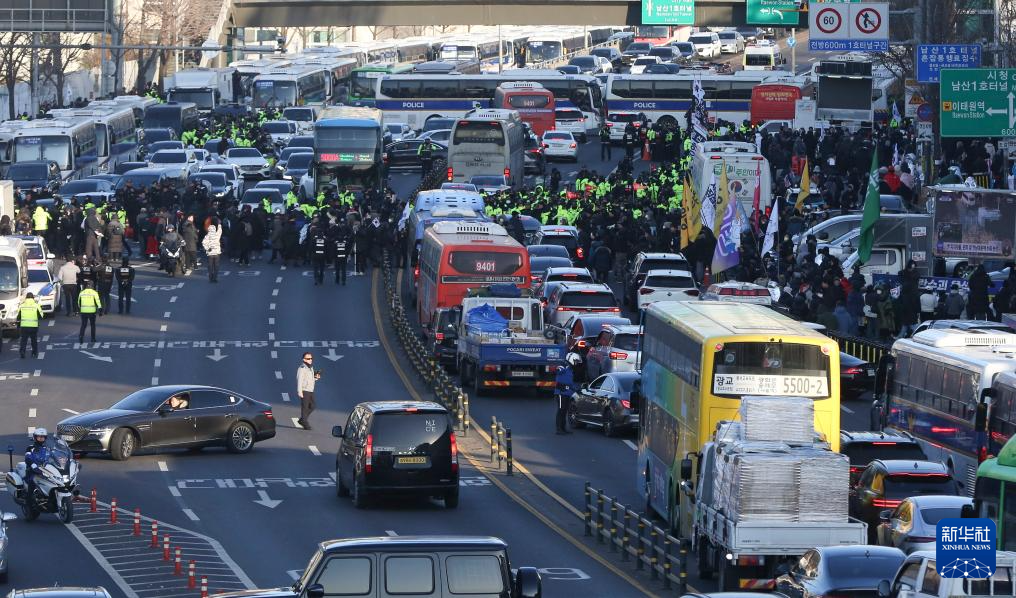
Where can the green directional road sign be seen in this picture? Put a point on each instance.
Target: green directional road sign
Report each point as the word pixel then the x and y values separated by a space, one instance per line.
pixel 668 12
pixel 781 13
pixel 977 102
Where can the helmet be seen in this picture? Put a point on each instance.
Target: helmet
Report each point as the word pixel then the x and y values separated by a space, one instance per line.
pixel 40 434
pixel 573 359
pixel 170 228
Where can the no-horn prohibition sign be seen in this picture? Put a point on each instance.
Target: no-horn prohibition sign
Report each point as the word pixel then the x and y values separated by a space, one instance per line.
pixel 829 20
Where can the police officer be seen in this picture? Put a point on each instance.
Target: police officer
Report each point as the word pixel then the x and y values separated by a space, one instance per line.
pixel 341 255
pixel 125 284
pixel 36 455
pixel 605 143
pixel 104 274
pixel 426 154
pixel 86 273
pixel 319 254
pixel 89 304
pixel 29 315
pixel 565 386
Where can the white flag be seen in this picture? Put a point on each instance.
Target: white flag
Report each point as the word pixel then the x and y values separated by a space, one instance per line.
pixel 708 210
pixel 772 229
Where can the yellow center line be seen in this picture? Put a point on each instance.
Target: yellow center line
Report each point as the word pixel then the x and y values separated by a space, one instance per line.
pixel 507 491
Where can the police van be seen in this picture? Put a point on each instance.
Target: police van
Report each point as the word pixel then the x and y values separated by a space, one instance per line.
pixel 746 169
pixel 13 279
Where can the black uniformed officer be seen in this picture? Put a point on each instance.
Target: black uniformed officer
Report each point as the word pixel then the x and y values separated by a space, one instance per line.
pixel 104 274
pixel 125 284
pixel 341 255
pixel 87 273
pixel 319 254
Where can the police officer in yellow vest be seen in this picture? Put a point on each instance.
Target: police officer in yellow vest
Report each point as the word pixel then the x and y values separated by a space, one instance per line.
pixel 28 320
pixel 40 221
pixel 88 305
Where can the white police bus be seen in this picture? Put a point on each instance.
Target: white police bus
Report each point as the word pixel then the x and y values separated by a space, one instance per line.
pixel 71 144
pixel 116 136
pixel 488 142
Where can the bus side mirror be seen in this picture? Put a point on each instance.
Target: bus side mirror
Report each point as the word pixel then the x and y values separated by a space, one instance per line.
pixel 685 470
pixel 883 589
pixel 968 512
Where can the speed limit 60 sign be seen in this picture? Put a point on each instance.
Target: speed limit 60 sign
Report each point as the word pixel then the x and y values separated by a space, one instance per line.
pixel 849 27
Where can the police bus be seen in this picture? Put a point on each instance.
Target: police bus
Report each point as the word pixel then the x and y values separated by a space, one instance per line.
pixel 413 99
pixel 69 143
pixel 337 72
pixel 555 46
pixel 487 142
pixel 347 150
pixel 116 137
pixel 294 85
pixel 665 99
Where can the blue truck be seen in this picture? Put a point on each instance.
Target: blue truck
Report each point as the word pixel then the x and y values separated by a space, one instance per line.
pixel 502 344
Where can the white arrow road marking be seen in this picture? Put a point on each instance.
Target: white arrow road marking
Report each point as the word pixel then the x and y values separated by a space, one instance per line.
pixel 265 501
pixel 332 355
pixel 217 355
pixel 107 359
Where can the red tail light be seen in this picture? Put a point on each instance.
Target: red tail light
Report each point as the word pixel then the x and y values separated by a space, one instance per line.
pixel 618 355
pixel 491 368
pixel 982 454
pixel 853 371
pixel 450 172
pixel 626 403
pixel 885 503
pixel 455 454
pixel 368 454
pixel 646 291
pixel 941 430
pixel 574 145
pixel 439 336
pixel 268 414
pixel 581 344
pixel 581 252
pixel 507 172
pixel 416 273
pixel 856 469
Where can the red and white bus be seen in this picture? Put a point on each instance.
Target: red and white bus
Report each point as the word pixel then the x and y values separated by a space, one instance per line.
pixel 458 255
pixel 774 101
pixel 662 34
pixel 534 103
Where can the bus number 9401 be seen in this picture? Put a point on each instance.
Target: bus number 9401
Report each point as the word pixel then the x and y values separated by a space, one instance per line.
pixel 488 266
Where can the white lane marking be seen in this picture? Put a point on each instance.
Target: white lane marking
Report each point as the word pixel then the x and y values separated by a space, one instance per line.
pixel 271 336
pixel 31 413
pixel 35 392
pixel 275 354
pixel 190 515
pixel 314 450
pixel 172 299
pixel 391 532
pixel 42 355
pixel 45 337
pixel 37 373
pixel 275 292
pixel 163 328
pixel 163 466
pixel 158 363
pixel 631 445
pixel 296 423
pixel 71 411
pixel 278 375
pixel 51 323
pixel 278 279
pixel 166 314
pixel 31 430
pixel 282 268
pixel 155 380
pixel 101 560
pixel 271 307
pixel 285 397
pixel 846 409
pixel 174 491
pixel 271 321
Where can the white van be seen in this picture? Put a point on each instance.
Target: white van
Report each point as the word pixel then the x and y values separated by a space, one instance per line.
pixel 918 577
pixel 763 57
pixel 707 43
pixel 746 170
pixel 13 280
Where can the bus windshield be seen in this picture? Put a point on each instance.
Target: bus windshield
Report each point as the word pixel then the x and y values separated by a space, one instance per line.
pixel 345 139
pixel 539 51
pixel 785 369
pixel 478 132
pixel 274 93
pixel 453 52
pixel 203 98
pixel 652 31
pixel 362 83
pixel 46 147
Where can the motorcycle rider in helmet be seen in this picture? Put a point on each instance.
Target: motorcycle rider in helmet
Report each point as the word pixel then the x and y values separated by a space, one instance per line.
pixel 565 387
pixel 170 242
pixel 35 457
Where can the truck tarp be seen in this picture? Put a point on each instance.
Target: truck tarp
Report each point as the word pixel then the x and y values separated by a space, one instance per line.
pixel 486 319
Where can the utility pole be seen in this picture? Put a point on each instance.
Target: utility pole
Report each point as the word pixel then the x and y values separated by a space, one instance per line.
pixel 793 51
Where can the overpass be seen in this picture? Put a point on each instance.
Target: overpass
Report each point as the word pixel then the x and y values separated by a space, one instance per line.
pixel 336 13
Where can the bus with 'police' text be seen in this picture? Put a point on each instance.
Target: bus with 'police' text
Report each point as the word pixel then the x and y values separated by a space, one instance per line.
pixel 457 256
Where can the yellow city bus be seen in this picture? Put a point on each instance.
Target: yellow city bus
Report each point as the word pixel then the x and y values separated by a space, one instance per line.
pixel 698 359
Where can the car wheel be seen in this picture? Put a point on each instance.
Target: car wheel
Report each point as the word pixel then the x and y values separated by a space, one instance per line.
pixel 241 438
pixel 67 510
pixel 451 498
pixel 340 488
pixel 122 444
pixel 609 429
pixel 573 417
pixel 359 494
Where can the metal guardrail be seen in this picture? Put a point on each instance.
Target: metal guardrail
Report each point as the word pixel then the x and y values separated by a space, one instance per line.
pixel 635 536
pixel 501 445
pixel 860 347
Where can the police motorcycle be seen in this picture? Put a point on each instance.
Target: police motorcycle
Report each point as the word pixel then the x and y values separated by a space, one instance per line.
pixel 170 251
pixel 54 473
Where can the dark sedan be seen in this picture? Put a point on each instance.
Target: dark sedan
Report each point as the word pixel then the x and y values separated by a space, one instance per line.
pixel 853 571
pixel 539 265
pixel 606 402
pixel 171 417
pixel 856 376
pixel 406 154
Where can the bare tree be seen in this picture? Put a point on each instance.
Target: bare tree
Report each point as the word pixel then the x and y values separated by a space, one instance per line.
pixel 13 64
pixel 1007 32
pixel 64 53
pixel 380 31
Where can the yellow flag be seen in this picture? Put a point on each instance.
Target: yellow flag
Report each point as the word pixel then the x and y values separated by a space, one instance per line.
pixel 694 205
pixel 722 199
pixel 805 187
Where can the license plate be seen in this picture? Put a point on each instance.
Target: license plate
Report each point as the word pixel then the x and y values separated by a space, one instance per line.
pixel 523 373
pixel 67 437
pixel 870 371
pixel 411 460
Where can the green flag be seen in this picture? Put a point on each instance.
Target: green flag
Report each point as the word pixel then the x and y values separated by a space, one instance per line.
pixel 872 210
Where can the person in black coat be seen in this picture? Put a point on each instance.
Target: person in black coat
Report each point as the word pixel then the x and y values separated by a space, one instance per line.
pixel 977 303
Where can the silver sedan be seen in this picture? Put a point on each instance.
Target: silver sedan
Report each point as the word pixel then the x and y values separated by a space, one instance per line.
pixel 912 525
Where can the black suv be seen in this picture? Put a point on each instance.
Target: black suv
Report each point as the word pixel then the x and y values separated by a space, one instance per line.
pixel 41 178
pixel 864 447
pixel 884 484
pixel 397 447
pixel 441 333
pixel 433 566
